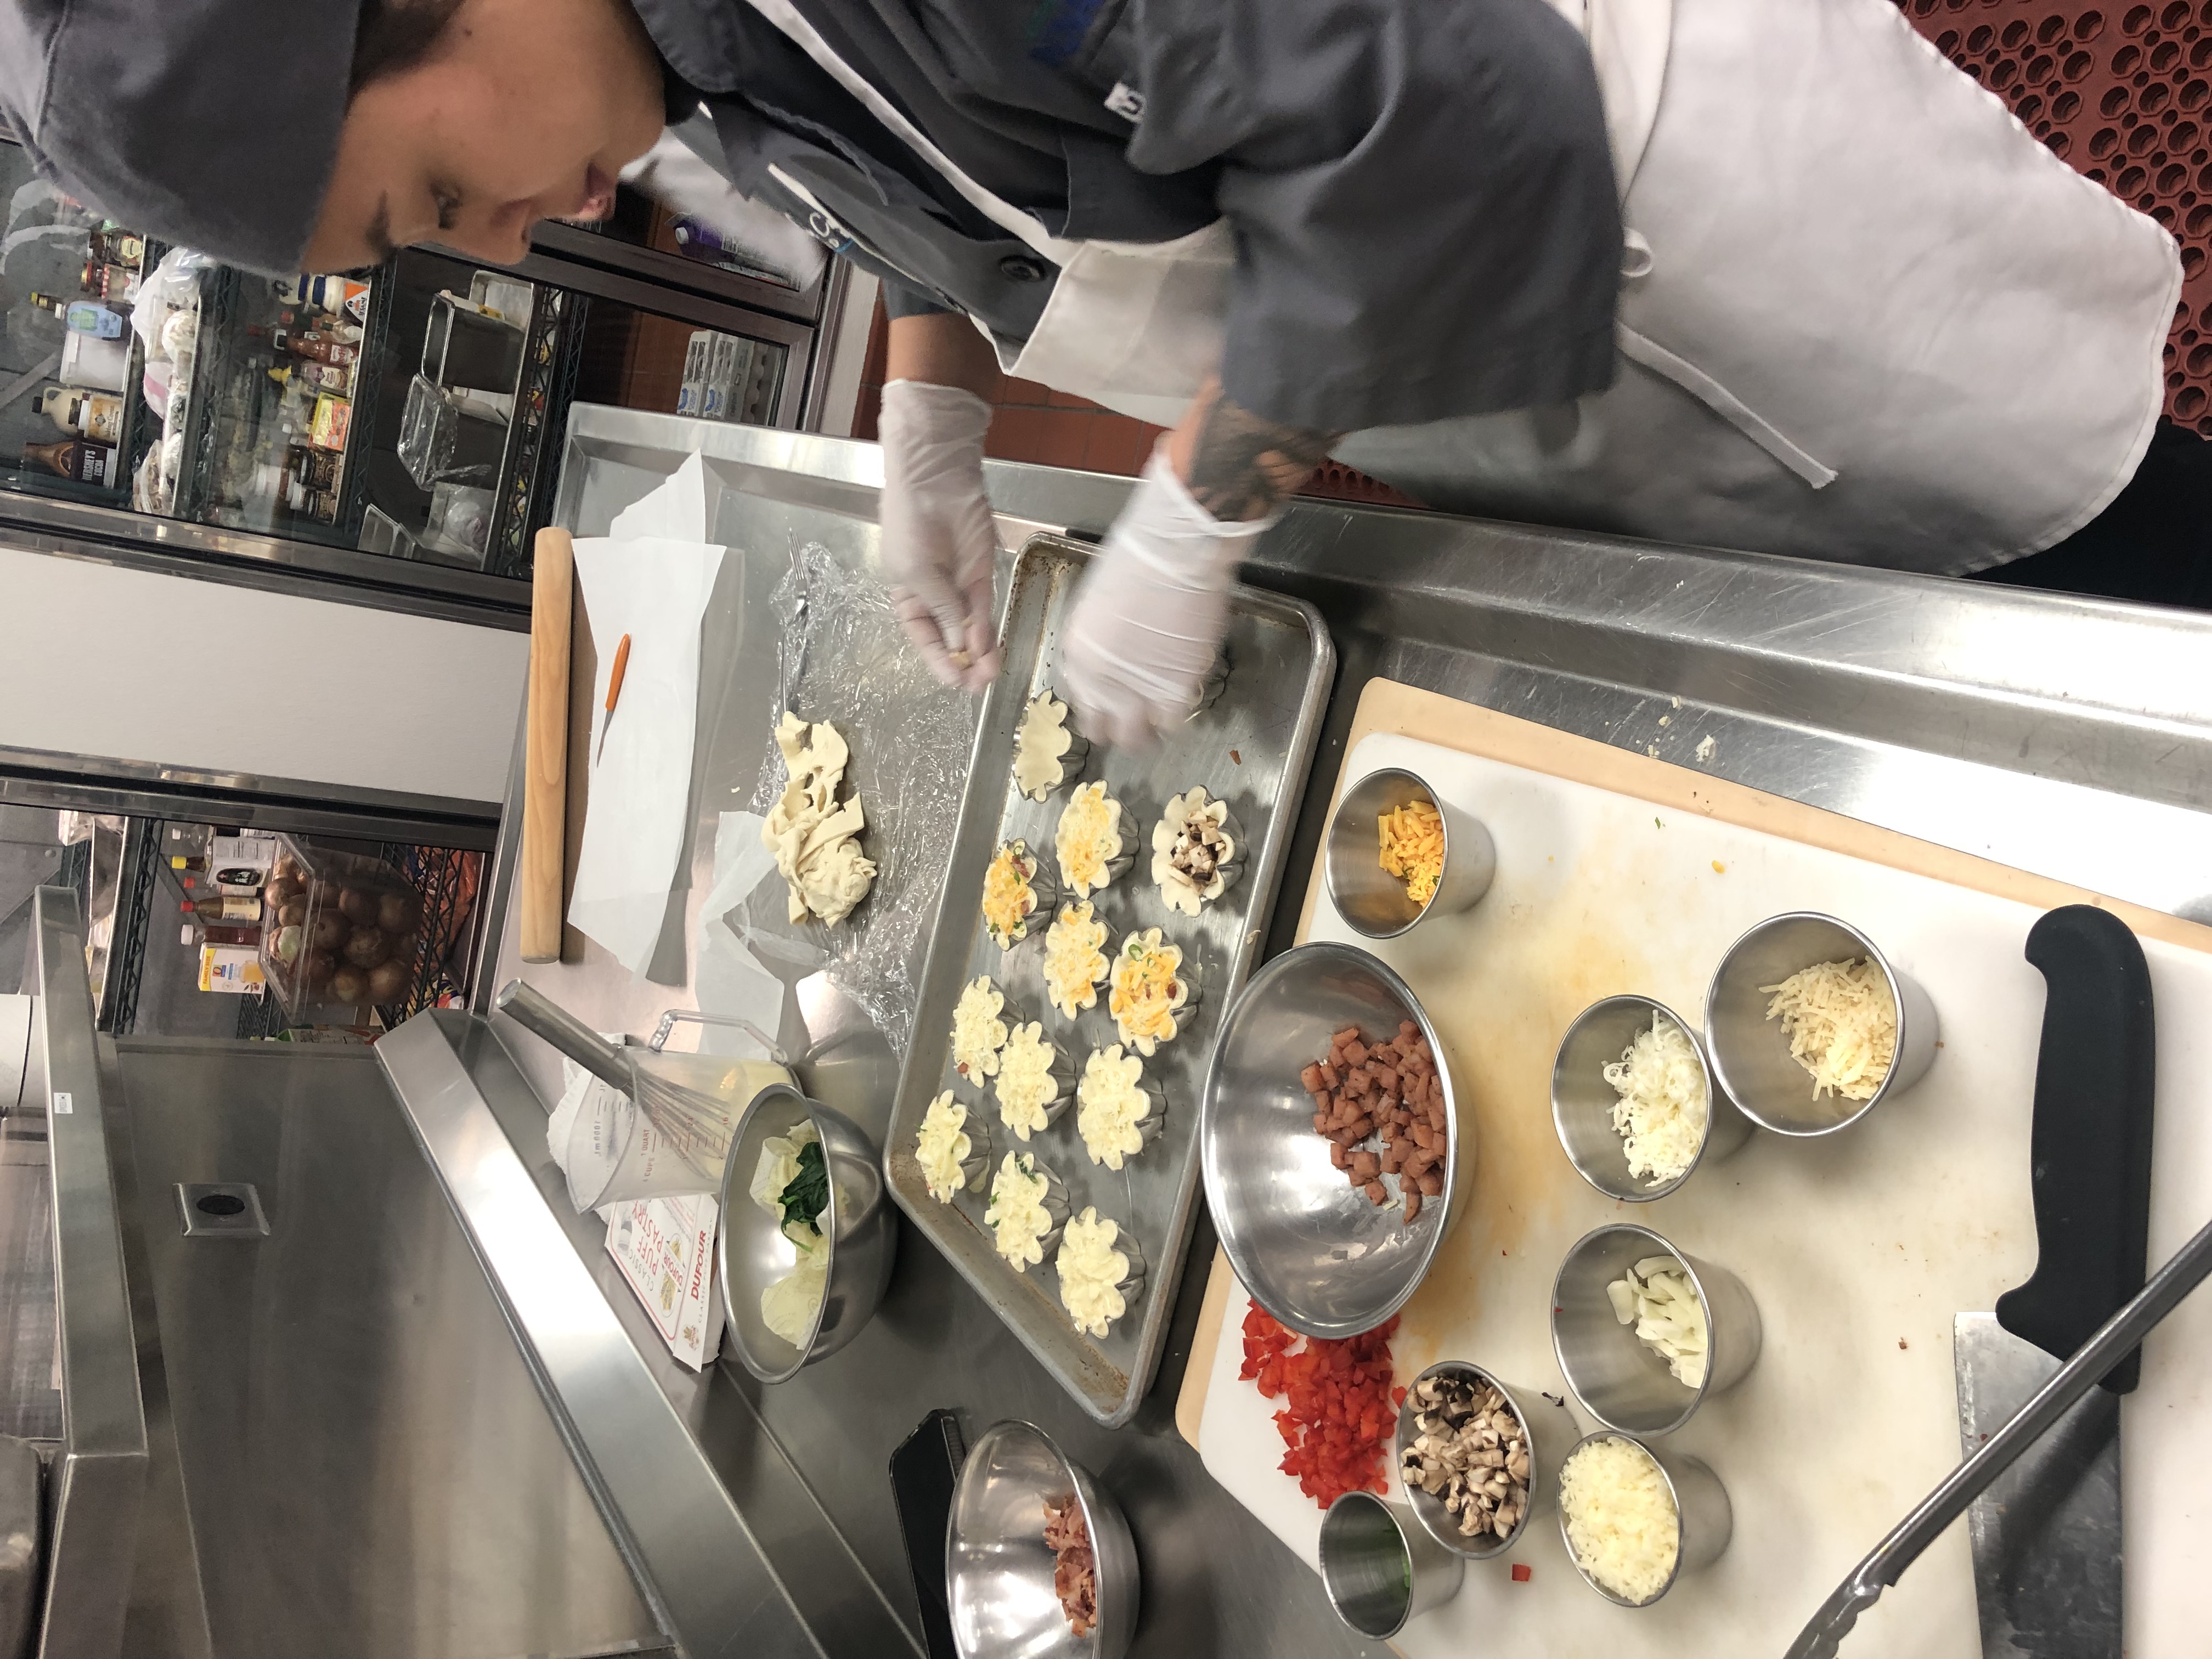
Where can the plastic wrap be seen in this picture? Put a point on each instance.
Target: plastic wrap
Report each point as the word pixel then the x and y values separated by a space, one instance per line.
pixel 842 659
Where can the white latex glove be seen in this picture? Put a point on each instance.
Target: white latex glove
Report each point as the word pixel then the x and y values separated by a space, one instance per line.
pixel 1148 619
pixel 940 544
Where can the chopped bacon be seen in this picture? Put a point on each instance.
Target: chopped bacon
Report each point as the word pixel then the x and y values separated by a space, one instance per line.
pixel 1392 1090
pixel 1340 1409
pixel 1074 1573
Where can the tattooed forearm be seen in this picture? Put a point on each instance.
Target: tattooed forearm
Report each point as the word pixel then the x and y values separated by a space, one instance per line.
pixel 1240 465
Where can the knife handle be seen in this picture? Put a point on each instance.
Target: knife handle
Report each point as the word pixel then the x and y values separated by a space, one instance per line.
pixel 2090 1145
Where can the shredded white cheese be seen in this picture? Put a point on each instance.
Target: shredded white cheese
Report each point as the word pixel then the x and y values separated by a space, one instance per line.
pixel 942 1145
pixel 978 1033
pixel 1090 1272
pixel 1074 959
pixel 1620 1519
pixel 1657 1297
pixel 1111 1107
pixel 1841 1021
pixel 1019 1215
pixel 1026 1086
pixel 1661 1114
pixel 1088 840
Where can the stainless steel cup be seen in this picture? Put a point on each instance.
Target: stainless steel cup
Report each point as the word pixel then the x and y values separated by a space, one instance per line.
pixel 1621 1381
pixel 1380 1566
pixel 1374 903
pixel 1704 1519
pixel 1582 1101
pixel 1750 1052
pixel 1552 1432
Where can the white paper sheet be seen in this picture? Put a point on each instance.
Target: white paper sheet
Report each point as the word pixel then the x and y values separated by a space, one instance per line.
pixel 675 511
pixel 730 979
pixel 654 590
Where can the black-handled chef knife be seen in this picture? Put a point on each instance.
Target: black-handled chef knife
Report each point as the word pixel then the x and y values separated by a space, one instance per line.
pixel 2046 1535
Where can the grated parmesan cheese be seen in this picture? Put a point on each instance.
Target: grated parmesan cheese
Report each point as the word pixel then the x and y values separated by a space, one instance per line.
pixel 1661 1114
pixel 1619 1517
pixel 1412 847
pixel 1841 1021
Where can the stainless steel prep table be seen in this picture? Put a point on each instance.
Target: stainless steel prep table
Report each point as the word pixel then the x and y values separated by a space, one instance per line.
pixel 2070 738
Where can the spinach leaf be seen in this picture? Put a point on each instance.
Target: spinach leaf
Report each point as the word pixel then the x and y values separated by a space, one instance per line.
pixel 807 1194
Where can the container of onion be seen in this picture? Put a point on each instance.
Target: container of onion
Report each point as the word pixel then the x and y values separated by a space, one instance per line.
pixel 1634 1101
pixel 1643 1332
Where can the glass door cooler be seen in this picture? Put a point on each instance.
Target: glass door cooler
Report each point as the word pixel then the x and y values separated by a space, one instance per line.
pixel 396 426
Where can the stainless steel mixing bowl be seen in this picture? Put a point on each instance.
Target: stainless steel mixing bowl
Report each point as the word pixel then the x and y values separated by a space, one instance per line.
pixel 1374 903
pixel 1309 1246
pixel 859 1228
pixel 998 1569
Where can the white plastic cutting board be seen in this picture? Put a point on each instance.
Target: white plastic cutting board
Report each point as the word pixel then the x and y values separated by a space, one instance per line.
pixel 1858 1249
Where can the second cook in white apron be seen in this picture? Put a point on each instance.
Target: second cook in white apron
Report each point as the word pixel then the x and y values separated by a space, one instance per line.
pixel 1864 316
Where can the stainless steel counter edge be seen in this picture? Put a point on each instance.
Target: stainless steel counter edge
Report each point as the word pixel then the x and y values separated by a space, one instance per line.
pixel 98 1479
pixel 696 1561
pixel 2089 692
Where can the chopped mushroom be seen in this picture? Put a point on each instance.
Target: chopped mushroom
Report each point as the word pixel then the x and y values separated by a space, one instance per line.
pixel 1470 1450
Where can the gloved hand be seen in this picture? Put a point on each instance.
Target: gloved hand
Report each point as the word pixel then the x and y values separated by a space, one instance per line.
pixel 940 544
pixel 1148 619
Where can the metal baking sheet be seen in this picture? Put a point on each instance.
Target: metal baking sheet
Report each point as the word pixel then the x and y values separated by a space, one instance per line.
pixel 1254 747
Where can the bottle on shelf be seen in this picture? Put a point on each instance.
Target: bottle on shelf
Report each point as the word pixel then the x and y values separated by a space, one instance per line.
pixel 212 904
pixel 80 459
pixel 83 414
pixel 113 245
pixel 117 285
pixel 84 316
pixel 216 924
pixel 320 348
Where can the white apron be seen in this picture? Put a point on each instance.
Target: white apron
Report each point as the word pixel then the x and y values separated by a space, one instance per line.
pixel 1832 343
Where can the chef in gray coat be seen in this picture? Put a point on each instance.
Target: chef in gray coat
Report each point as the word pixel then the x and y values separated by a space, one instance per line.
pixel 1756 273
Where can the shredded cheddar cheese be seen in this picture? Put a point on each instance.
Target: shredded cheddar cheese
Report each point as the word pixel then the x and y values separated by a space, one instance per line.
pixel 1413 841
pixel 1008 896
pixel 1148 990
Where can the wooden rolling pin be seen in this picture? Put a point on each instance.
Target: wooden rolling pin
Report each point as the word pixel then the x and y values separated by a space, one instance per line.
pixel 545 759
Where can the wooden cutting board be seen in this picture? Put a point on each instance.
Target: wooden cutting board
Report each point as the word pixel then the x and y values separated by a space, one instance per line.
pixel 1618 872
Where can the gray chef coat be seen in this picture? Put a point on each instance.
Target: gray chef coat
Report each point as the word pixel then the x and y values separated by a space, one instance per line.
pixel 1422 195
